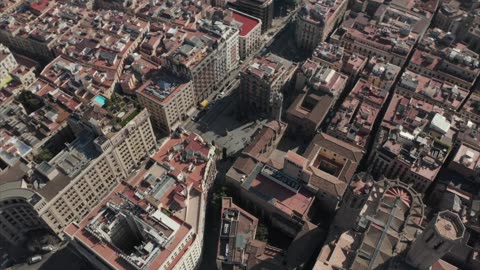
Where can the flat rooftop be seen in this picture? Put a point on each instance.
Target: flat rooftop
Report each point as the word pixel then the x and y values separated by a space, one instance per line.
pixel 248 23
pixel 280 196
pixel 268 68
pixel 162 87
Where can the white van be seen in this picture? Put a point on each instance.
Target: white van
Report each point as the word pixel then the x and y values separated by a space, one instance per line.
pixel 34 259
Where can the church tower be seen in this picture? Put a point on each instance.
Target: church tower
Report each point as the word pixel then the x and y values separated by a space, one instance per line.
pixel 354 198
pixel 438 238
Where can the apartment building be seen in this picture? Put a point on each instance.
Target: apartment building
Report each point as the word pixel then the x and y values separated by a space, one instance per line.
pixel 261 9
pixel 413 142
pixel 470 111
pixel 250 36
pixel 438 55
pixel 450 16
pixel 111 47
pixel 472 34
pixel 90 167
pixel 25 71
pixel 438 93
pixel 353 65
pixel 79 79
pixel 263 79
pixel 64 189
pixel 40 33
pixel 354 120
pixel 316 20
pixel 12 149
pixel 319 87
pixel 156 221
pixel 9 6
pixel 169 100
pixel 201 57
pixel 239 225
pixel 466 162
pixel 380 73
pixel 384 36
pixel 7 64
pixel 228 50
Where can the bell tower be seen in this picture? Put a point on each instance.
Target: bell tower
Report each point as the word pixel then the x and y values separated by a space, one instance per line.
pixel 355 197
pixel 438 238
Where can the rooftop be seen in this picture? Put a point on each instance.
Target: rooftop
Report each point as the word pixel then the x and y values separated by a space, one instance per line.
pixel 393 36
pixel 12 148
pixel 238 227
pixel 468 157
pixel 319 11
pixel 328 52
pixel 268 68
pixel 237 245
pixel 187 158
pixel 356 116
pixel 187 47
pixel 162 87
pixel 323 78
pixel 76 157
pixel 46 89
pixel 353 63
pixel 83 80
pixel 449 225
pixel 382 70
pixel 417 133
pixel 176 12
pixel 434 91
pixel 281 191
pixel 248 22
pixel 143 246
pixel 438 51
pixel 20 124
pixel 163 201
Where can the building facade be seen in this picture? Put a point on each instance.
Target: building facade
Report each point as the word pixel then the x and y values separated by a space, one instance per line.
pixel 7 63
pixel 169 100
pixel 156 220
pixel 250 35
pixel 316 20
pixel 262 79
pixel 77 178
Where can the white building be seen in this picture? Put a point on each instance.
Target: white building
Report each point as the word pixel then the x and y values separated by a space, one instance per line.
pixel 250 35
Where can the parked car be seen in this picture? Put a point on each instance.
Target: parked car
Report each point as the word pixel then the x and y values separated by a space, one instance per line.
pixel 34 259
pixel 49 248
